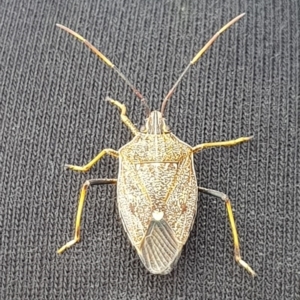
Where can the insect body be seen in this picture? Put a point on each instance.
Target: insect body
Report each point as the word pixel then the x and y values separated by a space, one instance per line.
pixel 157 189
pixel 156 180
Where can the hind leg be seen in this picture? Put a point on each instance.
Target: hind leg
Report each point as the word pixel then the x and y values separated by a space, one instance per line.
pixel 83 192
pixel 236 245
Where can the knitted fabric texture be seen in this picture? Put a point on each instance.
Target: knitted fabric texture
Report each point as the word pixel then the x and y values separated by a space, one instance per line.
pixel 52 112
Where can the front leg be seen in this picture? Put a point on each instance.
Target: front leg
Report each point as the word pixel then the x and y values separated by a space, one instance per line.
pixel 86 167
pixel 221 144
pixel 124 118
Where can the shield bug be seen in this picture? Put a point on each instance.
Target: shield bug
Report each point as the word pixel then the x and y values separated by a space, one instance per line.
pixel 157 189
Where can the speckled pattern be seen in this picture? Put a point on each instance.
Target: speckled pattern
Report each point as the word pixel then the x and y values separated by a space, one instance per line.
pixel 52 112
pixel 157 196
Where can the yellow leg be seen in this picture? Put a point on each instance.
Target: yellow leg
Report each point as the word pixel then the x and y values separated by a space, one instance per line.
pixel 86 167
pixel 236 245
pixel 80 207
pixel 221 144
pixel 124 118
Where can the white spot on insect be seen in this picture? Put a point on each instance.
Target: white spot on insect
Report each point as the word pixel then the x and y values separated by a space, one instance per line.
pixel 157 215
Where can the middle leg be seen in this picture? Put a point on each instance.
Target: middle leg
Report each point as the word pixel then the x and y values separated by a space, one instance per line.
pixel 221 144
pixel 87 167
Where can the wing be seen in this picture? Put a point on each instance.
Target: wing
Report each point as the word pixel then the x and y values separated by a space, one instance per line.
pixel 160 249
pixel 181 204
pixel 135 207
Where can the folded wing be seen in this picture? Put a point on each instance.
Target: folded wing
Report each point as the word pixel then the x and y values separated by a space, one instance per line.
pixel 160 249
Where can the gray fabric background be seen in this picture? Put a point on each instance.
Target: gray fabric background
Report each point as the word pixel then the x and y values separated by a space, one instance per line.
pixel 52 112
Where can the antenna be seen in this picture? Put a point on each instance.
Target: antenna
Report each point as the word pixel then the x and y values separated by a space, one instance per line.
pixel 109 63
pixel 196 58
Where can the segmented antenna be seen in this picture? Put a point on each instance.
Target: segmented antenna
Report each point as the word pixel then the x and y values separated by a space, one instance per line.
pixel 108 63
pixel 196 58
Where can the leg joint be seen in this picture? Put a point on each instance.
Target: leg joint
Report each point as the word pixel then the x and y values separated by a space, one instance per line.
pixel 224 197
pixel 215 193
pixel 86 184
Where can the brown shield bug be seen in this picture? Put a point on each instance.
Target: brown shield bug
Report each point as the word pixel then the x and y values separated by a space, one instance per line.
pixel 157 189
